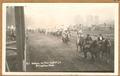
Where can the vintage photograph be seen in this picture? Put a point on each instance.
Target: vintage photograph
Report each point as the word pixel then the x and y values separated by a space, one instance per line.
pixel 63 37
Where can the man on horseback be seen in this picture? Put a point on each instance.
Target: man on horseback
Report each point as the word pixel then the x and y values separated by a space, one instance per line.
pixel 65 36
pixel 87 44
pixel 101 45
pixel 88 39
pixel 100 37
pixel 100 40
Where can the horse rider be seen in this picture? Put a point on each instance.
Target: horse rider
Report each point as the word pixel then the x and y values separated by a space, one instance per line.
pixel 88 39
pixel 100 37
pixel 65 34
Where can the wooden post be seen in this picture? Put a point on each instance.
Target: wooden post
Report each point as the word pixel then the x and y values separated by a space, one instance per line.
pixel 20 35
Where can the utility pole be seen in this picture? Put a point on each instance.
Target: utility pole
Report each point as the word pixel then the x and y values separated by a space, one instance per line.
pixel 20 36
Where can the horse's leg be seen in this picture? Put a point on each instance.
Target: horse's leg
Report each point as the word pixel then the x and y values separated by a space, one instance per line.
pixel 81 49
pixel 96 55
pixel 104 55
pixel 101 52
pixel 77 47
pixel 62 39
pixel 108 54
pixel 108 51
pixel 91 53
pixel 85 53
pixel 85 56
pixel 93 56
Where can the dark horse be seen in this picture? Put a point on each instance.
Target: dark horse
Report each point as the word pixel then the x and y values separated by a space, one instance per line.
pixel 65 38
pixel 96 49
pixel 89 48
pixel 105 49
pixel 12 35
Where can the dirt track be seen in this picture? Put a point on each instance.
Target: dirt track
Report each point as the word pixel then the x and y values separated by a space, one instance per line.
pixel 46 48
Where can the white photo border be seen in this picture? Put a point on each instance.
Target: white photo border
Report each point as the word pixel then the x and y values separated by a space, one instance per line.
pixel 4 5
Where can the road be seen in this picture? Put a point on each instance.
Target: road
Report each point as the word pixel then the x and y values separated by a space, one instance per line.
pixel 45 49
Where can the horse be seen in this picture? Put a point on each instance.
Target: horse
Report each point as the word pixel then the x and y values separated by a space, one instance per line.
pixel 94 49
pixel 100 49
pixel 12 35
pixel 105 49
pixel 87 48
pixel 65 37
pixel 58 33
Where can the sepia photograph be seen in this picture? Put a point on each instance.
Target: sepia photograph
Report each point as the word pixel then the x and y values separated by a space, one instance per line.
pixel 79 38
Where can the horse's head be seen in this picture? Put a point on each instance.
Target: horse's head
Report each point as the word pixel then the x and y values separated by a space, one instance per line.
pixel 94 43
pixel 107 42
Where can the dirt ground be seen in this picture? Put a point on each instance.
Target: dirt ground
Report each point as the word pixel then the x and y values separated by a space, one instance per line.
pixel 47 53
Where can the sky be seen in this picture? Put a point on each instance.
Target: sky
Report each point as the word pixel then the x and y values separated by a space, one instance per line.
pixel 51 15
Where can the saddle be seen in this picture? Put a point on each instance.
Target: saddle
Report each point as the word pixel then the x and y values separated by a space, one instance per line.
pixel 87 46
